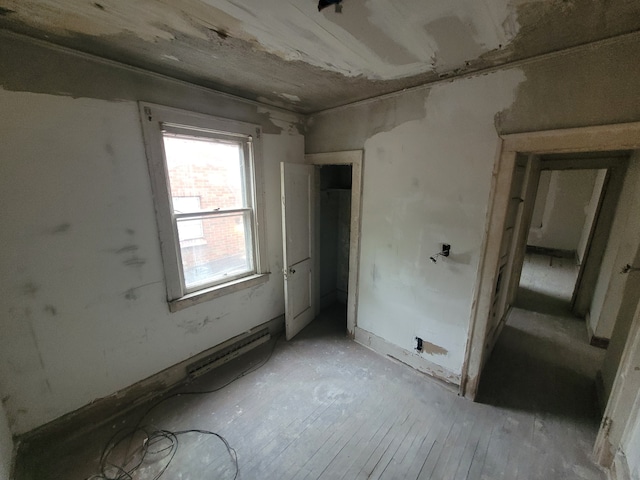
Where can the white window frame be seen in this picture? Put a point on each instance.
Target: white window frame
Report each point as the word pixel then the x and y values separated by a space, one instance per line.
pixel 157 118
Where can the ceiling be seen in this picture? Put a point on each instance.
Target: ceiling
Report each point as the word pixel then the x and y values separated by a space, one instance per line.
pixel 286 53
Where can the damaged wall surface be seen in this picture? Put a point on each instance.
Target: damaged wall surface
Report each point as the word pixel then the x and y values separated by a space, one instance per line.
pixel 428 159
pixel 84 312
pixel 323 59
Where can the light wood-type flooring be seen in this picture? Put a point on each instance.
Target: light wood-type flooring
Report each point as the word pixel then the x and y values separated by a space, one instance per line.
pixel 325 407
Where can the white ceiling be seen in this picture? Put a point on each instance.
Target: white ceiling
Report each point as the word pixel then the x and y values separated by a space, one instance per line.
pixel 285 52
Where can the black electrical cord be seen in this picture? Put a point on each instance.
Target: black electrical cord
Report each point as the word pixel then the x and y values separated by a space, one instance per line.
pixel 168 440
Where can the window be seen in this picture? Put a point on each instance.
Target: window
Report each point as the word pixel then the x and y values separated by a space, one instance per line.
pixel 205 174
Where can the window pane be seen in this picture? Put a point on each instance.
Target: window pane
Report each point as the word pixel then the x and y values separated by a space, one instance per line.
pixel 209 169
pixel 188 229
pixel 223 252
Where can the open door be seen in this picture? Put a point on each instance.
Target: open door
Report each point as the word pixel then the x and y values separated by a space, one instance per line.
pixel 298 207
pixel 522 193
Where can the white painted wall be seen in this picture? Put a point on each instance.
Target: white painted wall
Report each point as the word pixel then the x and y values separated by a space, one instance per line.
pixel 624 241
pixel 6 446
pixel 426 182
pixel 591 210
pixel 565 210
pixel 83 306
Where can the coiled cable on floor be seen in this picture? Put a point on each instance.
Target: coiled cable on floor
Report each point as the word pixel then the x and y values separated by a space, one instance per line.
pixel 159 442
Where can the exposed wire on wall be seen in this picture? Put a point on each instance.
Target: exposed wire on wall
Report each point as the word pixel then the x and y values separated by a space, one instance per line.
pixel 159 444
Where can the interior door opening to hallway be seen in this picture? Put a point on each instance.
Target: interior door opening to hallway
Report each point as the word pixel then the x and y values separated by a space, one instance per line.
pixel 604 293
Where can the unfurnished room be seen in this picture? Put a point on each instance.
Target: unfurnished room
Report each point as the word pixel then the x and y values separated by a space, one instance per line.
pixel 334 239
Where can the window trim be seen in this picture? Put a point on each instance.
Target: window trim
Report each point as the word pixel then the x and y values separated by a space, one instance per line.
pixel 155 119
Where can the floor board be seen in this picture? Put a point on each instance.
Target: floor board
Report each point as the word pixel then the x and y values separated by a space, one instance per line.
pixel 324 407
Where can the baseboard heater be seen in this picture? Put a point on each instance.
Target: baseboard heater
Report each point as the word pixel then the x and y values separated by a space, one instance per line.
pixel 227 354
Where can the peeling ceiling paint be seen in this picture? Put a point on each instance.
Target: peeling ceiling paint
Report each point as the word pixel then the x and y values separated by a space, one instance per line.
pixel 286 52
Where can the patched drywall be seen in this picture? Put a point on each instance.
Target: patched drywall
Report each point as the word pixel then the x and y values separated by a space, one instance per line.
pixel 27 66
pixel 323 59
pixel 378 40
pixel 624 242
pixel 426 182
pixel 588 87
pixel 565 210
pixel 84 312
pixel 6 446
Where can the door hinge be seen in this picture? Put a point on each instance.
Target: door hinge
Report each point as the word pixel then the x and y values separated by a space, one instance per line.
pixel 147 112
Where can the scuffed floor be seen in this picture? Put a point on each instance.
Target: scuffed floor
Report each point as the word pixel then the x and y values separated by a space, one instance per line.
pixel 326 407
pixel 543 365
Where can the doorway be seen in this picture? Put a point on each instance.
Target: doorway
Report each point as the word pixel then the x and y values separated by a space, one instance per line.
pixel 301 225
pixel 566 205
pixel 601 140
pixel 335 221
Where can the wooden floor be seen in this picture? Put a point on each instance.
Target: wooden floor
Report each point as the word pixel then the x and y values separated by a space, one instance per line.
pixel 324 407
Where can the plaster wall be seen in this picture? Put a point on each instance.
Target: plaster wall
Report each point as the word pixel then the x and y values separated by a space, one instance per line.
pixel 624 240
pixel 591 210
pixel 84 309
pixel 428 158
pixel 6 447
pixel 565 210
pixel 426 182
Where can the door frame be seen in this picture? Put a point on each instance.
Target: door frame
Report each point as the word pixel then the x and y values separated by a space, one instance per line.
pixel 355 159
pixel 574 140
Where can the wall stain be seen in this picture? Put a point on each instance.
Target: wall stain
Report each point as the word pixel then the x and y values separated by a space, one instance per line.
pixel 51 310
pixel 5 11
pixel 131 294
pixel 33 337
pixel 30 289
pixel 109 149
pixel 134 261
pixel 433 349
pixel 127 248
pixel 374 273
pixel 62 228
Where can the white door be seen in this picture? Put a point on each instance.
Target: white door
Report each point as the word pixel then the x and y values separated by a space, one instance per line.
pixel 298 203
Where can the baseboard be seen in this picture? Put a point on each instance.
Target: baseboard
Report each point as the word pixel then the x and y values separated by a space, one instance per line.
pixel 414 360
pixel 107 408
pixel 599 342
pixel 553 252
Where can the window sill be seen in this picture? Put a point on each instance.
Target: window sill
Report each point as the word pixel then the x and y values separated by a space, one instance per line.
pixel 219 290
